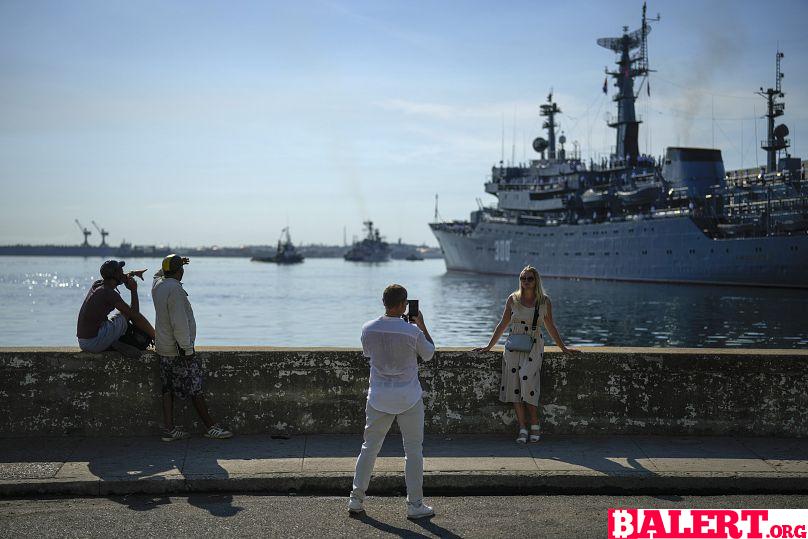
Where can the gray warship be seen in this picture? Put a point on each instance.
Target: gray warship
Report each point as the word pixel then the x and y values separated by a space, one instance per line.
pixel 678 219
pixel 371 249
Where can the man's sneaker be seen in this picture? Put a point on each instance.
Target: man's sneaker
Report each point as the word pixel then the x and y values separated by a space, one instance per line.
pixel 355 507
pixel 218 433
pixel 421 510
pixel 174 434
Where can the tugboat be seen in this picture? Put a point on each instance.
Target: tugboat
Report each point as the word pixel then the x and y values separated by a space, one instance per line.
pixel 414 257
pixel 370 249
pixel 286 253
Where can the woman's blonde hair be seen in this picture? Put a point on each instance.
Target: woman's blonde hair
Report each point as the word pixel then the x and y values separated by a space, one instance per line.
pixel 541 295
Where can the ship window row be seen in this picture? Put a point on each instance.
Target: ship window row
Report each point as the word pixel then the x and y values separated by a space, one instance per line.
pixel 606 253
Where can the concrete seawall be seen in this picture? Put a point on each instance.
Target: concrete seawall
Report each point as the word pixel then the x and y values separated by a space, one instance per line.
pixel 314 391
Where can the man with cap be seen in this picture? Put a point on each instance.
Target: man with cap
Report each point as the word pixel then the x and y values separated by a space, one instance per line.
pixel 175 333
pixel 94 330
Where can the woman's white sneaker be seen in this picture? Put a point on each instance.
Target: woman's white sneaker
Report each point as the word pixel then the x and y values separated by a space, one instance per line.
pixel 216 432
pixel 535 433
pixel 421 510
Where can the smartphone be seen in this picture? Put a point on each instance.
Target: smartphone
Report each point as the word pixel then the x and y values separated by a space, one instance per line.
pixel 412 309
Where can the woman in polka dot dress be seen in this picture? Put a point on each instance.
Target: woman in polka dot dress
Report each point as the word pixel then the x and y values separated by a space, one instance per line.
pixel 521 371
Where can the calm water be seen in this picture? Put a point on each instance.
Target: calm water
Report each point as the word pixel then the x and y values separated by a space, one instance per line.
pixel 323 302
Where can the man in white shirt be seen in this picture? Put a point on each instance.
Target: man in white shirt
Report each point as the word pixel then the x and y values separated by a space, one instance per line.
pixel 393 346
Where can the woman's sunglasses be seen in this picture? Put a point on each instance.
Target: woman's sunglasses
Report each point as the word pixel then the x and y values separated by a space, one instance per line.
pixel 527 279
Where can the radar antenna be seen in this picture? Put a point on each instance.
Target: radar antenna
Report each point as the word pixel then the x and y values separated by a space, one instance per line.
pixel 629 68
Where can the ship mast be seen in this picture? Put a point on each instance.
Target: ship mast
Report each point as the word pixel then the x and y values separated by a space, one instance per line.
pixel 629 68
pixel 775 136
pixel 549 110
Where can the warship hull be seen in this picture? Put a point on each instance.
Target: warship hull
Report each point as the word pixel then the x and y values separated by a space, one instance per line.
pixel 669 250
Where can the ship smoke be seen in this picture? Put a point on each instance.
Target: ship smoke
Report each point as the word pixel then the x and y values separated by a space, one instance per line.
pixel 719 47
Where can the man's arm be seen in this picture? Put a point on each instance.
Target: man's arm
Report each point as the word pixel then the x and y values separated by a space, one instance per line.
pixel 425 345
pixel 131 285
pixel 130 314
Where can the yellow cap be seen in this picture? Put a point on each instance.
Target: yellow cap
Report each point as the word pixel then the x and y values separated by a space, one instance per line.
pixel 172 263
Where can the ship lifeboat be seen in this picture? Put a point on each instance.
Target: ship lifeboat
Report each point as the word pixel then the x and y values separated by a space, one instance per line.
pixel 645 194
pixel 594 199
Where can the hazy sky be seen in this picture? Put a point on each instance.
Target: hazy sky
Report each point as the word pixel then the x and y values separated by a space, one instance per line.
pixel 203 123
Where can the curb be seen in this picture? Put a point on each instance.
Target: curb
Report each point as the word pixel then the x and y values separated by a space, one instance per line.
pixel 435 484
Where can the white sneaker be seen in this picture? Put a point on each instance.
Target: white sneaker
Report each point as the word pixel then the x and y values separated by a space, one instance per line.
pixel 535 433
pixel 421 510
pixel 355 507
pixel 218 433
pixel 173 435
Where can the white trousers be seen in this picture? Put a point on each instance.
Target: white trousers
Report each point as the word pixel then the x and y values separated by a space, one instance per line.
pixel 411 424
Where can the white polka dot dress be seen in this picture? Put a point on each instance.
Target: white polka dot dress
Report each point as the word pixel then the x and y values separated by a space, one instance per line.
pixel 521 371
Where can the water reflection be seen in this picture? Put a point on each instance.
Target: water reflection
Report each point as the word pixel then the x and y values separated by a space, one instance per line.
pixel 324 302
pixel 605 313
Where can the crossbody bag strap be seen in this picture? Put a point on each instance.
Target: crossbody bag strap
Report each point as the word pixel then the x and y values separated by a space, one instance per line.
pixel 535 315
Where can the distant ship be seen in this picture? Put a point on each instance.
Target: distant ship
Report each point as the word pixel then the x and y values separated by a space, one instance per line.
pixel 103 250
pixel 636 218
pixel 286 252
pixel 370 249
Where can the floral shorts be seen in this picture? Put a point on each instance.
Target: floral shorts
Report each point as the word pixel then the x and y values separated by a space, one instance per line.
pixel 181 376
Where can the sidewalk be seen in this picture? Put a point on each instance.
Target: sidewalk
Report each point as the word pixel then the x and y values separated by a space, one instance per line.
pixel 464 465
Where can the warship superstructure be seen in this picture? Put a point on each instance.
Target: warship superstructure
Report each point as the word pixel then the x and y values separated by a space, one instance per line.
pixel 632 217
pixel 372 248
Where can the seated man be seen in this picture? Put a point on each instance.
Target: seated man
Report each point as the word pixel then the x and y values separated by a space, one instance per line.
pixel 95 331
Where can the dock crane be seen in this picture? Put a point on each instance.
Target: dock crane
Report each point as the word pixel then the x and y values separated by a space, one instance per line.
pixel 103 233
pixel 86 231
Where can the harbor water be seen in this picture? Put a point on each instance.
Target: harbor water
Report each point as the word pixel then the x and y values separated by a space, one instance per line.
pixel 324 302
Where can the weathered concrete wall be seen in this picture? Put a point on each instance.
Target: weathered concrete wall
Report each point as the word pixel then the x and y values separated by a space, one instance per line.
pixel 640 390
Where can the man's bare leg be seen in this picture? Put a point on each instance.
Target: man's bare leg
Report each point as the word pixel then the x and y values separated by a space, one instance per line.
pixel 202 410
pixel 168 410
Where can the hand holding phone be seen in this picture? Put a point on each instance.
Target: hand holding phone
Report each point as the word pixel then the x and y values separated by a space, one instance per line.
pixel 412 310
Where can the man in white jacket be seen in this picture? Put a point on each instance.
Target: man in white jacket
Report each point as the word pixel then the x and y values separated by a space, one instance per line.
pixel 175 333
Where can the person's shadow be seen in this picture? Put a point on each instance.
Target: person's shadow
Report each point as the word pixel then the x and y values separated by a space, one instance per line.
pixel 119 460
pixel 425 523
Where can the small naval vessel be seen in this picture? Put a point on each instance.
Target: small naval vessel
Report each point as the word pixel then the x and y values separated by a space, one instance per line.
pixel 286 252
pixel 679 219
pixel 371 249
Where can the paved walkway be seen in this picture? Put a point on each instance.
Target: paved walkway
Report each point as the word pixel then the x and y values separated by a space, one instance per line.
pixel 454 465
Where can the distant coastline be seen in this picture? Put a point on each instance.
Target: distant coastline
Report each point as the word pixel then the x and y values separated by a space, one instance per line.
pixel 125 250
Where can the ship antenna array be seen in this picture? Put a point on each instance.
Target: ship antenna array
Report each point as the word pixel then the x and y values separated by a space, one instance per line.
pixel 643 57
pixel 775 136
pixel 86 231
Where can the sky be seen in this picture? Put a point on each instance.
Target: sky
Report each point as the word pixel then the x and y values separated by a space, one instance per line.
pixel 219 123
